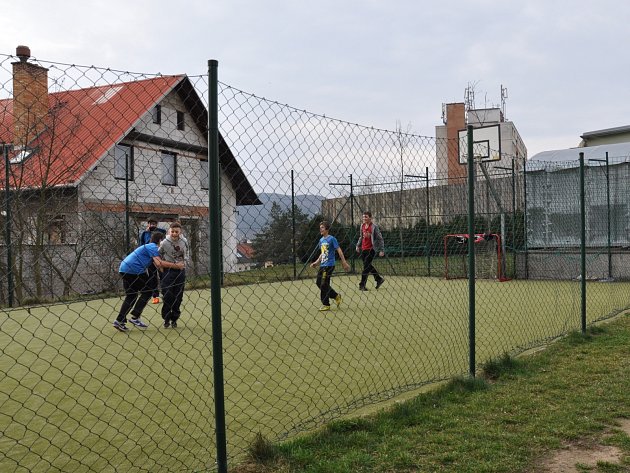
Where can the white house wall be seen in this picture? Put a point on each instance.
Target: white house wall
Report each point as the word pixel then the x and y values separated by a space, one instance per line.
pixel 101 187
pixel 171 104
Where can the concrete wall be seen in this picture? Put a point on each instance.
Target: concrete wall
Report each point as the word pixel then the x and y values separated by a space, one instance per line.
pixel 445 201
pixel 565 264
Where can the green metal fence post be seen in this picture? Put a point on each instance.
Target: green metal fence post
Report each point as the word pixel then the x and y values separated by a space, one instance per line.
pixel 525 248
pixel 513 219
pixel 215 262
pixel 352 234
pixel 471 253
pixel 582 244
pixel 503 236
pixel 608 234
pixel 428 248
pixel 608 219
pixel 293 252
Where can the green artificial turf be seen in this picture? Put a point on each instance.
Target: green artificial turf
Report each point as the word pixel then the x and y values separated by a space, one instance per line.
pixel 78 395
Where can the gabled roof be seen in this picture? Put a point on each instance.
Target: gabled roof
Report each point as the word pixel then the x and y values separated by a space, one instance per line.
pixel 245 250
pixel 83 124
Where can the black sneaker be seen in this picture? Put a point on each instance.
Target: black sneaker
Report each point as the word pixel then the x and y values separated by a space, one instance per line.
pixel 167 324
pixel 138 323
pixel 120 326
pixel 380 282
pixel 362 288
pixel 174 324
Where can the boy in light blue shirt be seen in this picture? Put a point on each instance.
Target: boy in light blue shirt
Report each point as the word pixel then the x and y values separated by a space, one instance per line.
pixel 328 246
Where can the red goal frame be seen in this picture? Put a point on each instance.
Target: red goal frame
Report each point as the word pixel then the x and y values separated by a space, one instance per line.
pixel 479 237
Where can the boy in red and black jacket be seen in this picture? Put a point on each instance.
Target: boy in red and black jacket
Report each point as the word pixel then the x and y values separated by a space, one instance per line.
pixel 370 242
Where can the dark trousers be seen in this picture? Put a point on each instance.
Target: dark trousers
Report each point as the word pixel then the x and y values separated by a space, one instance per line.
pixel 368 268
pixel 173 281
pixel 137 293
pixel 323 283
pixel 153 281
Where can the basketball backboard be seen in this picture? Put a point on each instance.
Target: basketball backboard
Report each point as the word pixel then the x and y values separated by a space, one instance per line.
pixel 486 144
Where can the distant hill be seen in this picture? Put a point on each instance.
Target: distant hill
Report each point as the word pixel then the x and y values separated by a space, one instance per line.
pixel 251 219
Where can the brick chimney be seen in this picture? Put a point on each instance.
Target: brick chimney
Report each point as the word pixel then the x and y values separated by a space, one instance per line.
pixel 455 121
pixel 30 98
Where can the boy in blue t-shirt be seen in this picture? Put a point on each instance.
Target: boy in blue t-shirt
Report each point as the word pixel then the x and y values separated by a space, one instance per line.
pixel 328 245
pixel 133 270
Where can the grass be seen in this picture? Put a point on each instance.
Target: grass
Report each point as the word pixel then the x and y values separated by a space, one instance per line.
pixel 571 393
pixel 78 395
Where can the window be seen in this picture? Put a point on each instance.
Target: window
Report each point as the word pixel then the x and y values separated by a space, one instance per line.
pixel 204 175
pixel 157 114
pixel 180 120
pixel 57 230
pixel 169 168
pixel 123 159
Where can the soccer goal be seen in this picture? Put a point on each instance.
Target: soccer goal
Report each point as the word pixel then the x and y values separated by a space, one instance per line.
pixel 489 259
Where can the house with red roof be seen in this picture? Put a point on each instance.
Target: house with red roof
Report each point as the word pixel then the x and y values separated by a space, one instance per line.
pixel 244 257
pixel 86 167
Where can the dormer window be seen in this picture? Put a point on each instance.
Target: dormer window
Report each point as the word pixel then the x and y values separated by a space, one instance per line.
pixel 157 114
pixel 105 94
pixel 20 156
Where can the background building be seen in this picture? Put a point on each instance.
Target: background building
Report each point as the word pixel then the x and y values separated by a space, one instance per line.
pixel 456 117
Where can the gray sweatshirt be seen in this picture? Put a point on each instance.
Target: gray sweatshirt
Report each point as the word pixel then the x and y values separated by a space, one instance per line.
pixel 174 251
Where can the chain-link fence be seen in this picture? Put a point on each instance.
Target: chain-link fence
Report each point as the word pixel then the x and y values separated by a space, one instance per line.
pixel 91 155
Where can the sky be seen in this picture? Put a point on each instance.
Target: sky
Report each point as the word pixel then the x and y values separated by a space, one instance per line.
pixel 372 62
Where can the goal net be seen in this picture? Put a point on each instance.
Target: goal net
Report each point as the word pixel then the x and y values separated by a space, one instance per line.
pixel 489 262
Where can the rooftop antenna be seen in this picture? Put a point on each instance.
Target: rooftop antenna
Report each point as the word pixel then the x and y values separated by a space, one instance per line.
pixel 504 95
pixel 469 97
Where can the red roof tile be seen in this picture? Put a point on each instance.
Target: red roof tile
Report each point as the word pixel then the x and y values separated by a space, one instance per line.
pixel 245 249
pixel 81 126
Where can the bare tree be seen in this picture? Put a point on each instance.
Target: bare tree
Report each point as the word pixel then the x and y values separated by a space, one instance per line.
pixel 401 143
pixel 50 235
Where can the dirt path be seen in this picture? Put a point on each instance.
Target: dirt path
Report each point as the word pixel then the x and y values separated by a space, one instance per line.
pixel 585 456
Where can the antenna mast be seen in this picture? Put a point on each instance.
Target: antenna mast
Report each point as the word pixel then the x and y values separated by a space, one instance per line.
pixel 504 96
pixel 469 97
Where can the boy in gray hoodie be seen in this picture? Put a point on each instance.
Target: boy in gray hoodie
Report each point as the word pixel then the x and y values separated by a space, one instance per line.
pixel 174 249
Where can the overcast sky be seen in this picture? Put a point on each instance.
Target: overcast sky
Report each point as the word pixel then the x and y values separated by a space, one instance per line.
pixel 373 62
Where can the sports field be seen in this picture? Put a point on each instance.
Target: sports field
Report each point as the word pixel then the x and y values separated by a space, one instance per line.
pixel 76 395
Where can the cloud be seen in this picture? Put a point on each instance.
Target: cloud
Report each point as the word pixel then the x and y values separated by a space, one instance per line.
pixel 371 62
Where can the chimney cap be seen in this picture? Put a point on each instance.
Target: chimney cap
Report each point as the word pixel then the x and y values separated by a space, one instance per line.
pixel 23 53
